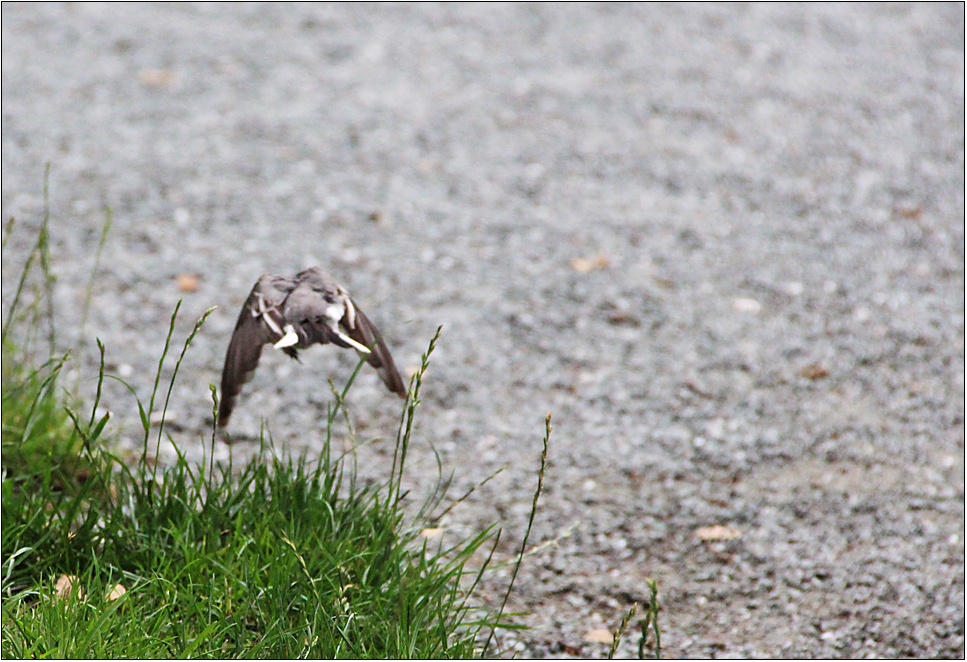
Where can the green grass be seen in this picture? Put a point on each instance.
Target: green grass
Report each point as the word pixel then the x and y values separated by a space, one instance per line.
pixel 37 432
pixel 280 558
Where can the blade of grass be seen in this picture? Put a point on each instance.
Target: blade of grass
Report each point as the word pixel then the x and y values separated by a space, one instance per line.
pixel 650 620
pixel 89 293
pixel 146 420
pixel 44 391
pixel 8 228
pixel 619 632
pixel 211 459
pixel 100 382
pixel 174 375
pixel 43 244
pixel 530 523
pixel 16 297
pixel 473 489
pixel 406 422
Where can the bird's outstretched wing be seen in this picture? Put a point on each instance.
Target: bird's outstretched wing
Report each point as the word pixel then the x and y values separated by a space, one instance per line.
pixel 259 322
pixel 359 328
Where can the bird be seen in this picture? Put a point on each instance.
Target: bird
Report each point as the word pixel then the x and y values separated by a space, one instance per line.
pixel 293 313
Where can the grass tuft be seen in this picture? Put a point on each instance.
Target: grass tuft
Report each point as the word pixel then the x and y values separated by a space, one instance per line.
pixel 285 557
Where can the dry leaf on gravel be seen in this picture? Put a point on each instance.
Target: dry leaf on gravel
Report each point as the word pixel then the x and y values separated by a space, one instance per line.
pixel 718 532
pixel 156 77
pixel 187 282
pixel 814 371
pixel 584 265
pixel 599 636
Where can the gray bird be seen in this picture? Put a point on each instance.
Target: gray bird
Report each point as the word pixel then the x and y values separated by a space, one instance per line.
pixel 292 314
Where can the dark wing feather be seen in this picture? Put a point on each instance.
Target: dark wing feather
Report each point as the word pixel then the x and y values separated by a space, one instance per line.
pixel 366 333
pixel 245 348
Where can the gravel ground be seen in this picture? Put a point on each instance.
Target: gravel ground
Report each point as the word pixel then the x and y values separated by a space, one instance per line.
pixel 723 244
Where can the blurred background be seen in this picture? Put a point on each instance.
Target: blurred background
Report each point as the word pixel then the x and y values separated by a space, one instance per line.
pixel 723 244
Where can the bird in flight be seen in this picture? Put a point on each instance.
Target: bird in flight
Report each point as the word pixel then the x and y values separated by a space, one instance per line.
pixel 293 313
